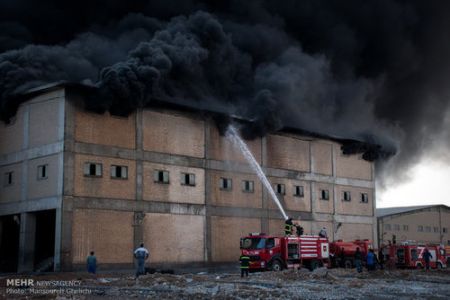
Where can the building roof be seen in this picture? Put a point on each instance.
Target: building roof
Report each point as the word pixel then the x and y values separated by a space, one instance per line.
pixel 370 151
pixel 383 212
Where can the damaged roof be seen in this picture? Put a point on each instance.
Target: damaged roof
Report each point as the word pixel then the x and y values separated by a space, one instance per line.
pixel 369 151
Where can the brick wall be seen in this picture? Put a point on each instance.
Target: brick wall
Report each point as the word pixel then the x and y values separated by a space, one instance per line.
pixel 321 205
pixel 289 201
pixel 105 129
pixel 174 238
pixel 353 231
pixel 173 133
pixel 322 156
pixel 104 186
pixel 225 236
pixel 108 233
pixel 352 166
pixel 354 206
pixel 221 148
pixel 174 191
pixel 287 153
pixel 235 197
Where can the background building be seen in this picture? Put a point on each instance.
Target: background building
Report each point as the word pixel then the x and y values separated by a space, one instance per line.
pixel 76 181
pixel 423 224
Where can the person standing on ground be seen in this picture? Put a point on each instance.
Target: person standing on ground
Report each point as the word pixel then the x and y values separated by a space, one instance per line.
pixel 427 257
pixel 358 260
pixel 370 260
pixel 381 258
pixel 91 263
pixel 245 263
pixel 141 254
pixel 342 258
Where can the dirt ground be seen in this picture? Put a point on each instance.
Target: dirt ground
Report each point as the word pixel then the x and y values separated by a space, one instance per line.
pixel 289 284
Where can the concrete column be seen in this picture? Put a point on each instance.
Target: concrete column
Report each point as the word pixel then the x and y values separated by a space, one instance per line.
pixel 58 214
pixel 335 195
pixel 64 215
pixel 27 242
pixel 264 194
pixel 374 207
pixel 207 227
pixel 313 205
pixel 138 231
pixel 24 164
pixel 58 229
pixel 66 235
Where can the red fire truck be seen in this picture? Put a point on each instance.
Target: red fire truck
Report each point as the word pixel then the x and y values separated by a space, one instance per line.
pixel 275 253
pixel 349 249
pixel 410 255
pixel 447 255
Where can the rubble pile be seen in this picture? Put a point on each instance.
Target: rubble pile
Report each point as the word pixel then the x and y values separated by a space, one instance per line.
pixel 289 284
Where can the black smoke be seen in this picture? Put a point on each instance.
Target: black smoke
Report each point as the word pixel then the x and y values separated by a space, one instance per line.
pixel 369 70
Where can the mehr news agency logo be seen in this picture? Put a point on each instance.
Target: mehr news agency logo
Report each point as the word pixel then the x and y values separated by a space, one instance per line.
pixel 28 286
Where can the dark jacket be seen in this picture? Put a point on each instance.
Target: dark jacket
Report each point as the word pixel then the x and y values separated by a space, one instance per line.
pixel 358 255
pixel 245 261
pixel 288 229
pixel 427 256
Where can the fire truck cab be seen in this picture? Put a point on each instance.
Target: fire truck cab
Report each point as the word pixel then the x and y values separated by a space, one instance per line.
pixel 277 253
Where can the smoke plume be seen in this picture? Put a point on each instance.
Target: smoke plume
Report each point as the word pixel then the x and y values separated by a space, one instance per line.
pixel 375 70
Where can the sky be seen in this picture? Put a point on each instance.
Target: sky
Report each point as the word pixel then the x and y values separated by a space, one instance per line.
pixel 429 184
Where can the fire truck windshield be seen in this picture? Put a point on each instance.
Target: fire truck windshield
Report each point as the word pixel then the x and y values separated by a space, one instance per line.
pixel 253 243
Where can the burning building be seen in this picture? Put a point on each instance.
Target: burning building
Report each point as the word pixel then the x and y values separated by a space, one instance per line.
pixel 75 181
pixel 133 148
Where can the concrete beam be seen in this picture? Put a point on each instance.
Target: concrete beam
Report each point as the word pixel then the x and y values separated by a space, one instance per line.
pixel 30 205
pixel 187 161
pixel 178 208
pixel 27 154
pixel 136 206
pixel 355 219
pixel 26 242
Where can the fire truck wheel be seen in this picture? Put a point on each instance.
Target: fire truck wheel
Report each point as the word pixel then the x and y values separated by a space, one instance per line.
pixel 420 266
pixel 276 266
pixel 348 264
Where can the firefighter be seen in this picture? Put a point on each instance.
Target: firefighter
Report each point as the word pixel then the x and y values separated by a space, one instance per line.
pixel 323 232
pixel 427 257
pixel 299 230
pixel 358 260
pixel 342 258
pixel 288 227
pixel 381 258
pixel 245 263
